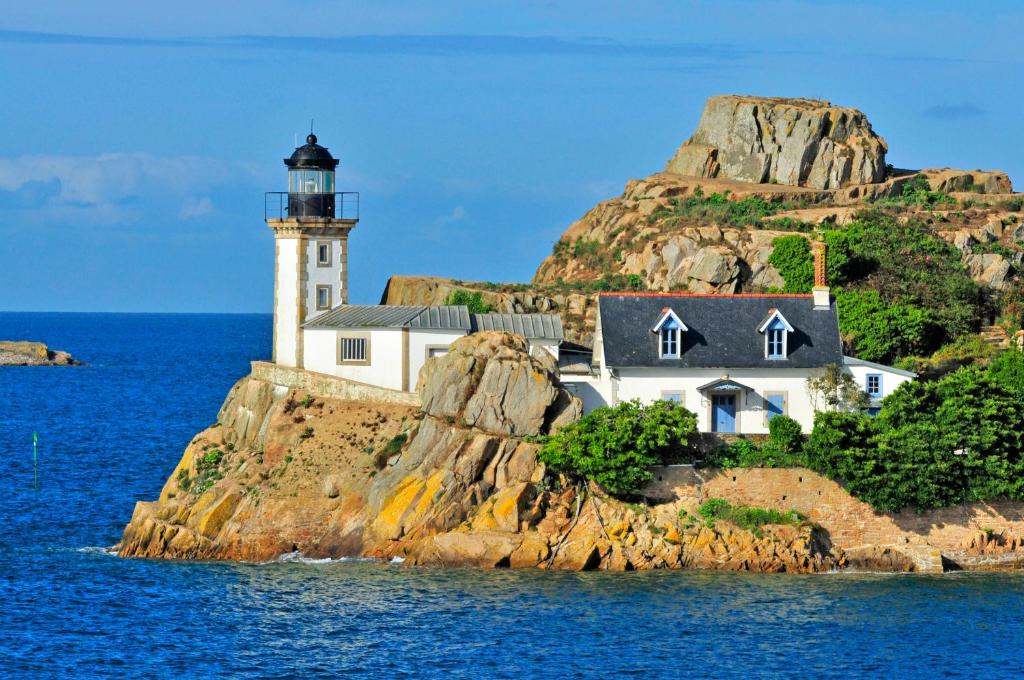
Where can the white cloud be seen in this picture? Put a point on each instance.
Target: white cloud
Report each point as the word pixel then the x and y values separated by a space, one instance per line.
pixel 107 187
pixel 195 207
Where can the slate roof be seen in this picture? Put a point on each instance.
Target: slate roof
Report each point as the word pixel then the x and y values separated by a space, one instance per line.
pixel 723 330
pixel 438 317
pixel 854 361
pixel 443 317
pixel 530 326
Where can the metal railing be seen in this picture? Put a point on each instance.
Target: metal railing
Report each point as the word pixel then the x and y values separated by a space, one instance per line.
pixel 279 205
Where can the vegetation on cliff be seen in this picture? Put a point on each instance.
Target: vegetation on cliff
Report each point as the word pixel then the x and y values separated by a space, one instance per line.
pixel 900 291
pixel 953 440
pixel 615 446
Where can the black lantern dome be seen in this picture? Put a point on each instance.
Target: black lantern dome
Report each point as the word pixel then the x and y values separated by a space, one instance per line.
pixel 312 155
pixel 311 180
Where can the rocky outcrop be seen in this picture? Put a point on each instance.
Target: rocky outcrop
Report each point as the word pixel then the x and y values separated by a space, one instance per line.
pixel 283 470
pixel 798 142
pixel 948 180
pixel 23 353
pixel 457 483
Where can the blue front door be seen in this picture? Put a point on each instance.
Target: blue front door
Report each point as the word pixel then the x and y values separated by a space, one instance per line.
pixel 723 412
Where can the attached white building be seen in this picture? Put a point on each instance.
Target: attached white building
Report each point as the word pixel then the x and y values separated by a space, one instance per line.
pixel 387 345
pixel 878 380
pixel 736 361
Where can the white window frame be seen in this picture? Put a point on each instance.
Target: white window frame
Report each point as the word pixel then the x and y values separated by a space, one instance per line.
pixel 340 343
pixel 673 336
pixel 775 315
pixel 768 354
pixel 867 385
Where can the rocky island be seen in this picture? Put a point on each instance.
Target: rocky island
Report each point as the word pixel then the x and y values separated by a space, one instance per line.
pixel 22 353
pixel 452 474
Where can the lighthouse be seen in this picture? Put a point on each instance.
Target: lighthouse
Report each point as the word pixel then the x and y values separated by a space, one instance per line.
pixel 311 222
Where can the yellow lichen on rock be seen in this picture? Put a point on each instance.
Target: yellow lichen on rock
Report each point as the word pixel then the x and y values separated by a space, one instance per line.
pixel 220 512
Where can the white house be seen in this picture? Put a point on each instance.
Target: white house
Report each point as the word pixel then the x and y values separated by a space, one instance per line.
pixel 878 380
pixel 736 361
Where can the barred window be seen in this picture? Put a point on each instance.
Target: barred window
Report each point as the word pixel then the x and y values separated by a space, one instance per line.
pixel 353 349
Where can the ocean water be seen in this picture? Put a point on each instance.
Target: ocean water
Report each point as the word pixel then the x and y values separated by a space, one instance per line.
pixel 111 432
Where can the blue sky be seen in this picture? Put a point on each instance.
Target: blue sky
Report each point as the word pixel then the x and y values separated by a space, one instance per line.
pixel 138 140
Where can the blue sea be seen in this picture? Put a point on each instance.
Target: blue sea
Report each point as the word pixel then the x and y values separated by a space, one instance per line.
pixel 111 432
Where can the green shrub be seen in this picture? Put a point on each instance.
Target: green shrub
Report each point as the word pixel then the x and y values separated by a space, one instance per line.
pixel 907 265
pixel 917 192
pixel 714 509
pixel 791 256
pixel 934 444
pixel 396 443
pixel 879 331
pixel 209 460
pixel 471 299
pixel 615 446
pixel 744 453
pixel 745 516
pixel 1007 370
pixel 785 434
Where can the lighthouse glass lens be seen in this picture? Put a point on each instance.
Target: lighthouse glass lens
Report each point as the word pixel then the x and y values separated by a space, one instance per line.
pixel 328 182
pixel 312 182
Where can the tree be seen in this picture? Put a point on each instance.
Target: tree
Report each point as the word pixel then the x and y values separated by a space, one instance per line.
pixel 614 446
pixel 836 390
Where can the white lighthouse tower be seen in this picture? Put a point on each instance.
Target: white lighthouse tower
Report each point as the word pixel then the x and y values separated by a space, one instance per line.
pixel 311 223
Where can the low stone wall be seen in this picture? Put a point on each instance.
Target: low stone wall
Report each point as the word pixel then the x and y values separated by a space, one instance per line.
pixel 324 385
pixel 851 523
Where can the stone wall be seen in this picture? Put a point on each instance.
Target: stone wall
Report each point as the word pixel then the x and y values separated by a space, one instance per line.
pixel 323 385
pixel 849 522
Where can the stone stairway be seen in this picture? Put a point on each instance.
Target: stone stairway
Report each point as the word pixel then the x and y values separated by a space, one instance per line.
pixel 996 336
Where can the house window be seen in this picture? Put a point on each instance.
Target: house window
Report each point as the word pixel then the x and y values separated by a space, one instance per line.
pixel 669 329
pixel 436 351
pixel 323 297
pixel 354 349
pixel 670 339
pixel 874 384
pixel 776 335
pixel 675 396
pixel 774 405
pixel 323 253
pixel 776 343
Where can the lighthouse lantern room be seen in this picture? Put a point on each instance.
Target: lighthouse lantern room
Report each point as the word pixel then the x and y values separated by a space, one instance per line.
pixel 311 246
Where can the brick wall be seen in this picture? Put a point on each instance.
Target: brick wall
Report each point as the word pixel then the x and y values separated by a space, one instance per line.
pixel 850 522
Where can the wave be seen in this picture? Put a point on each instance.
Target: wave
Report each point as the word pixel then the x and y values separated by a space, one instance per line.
pixel 298 557
pixel 99 550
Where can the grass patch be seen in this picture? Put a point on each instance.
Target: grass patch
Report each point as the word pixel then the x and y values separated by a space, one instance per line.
pixel 717 208
pixel 745 516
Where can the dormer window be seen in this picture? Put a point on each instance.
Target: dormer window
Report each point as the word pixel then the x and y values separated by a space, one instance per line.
pixel 776 332
pixel 670 330
pixel 776 343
